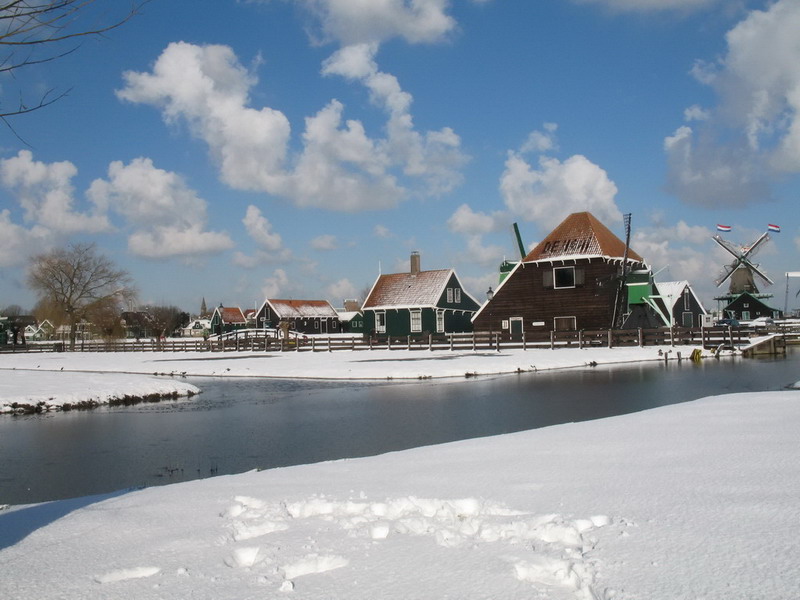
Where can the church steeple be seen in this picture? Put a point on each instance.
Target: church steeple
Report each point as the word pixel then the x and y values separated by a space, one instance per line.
pixel 203 309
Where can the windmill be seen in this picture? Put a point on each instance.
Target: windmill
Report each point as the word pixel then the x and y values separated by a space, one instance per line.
pixel 742 272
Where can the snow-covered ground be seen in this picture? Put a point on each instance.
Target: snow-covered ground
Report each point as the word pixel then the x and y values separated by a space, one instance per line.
pixel 694 500
pixel 162 372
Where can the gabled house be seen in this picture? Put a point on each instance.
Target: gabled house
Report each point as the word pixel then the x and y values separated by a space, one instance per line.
pixel 683 306
pixel 196 328
pixel 418 302
pixel 747 306
pixel 570 281
pixel 303 316
pixel 226 319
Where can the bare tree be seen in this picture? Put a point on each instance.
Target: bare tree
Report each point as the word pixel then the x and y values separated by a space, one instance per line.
pixel 33 32
pixel 79 281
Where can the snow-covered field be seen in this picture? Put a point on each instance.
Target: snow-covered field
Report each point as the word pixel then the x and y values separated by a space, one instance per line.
pixel 693 500
pixel 31 384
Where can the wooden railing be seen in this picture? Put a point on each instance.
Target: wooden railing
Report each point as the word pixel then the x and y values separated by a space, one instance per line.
pixel 709 337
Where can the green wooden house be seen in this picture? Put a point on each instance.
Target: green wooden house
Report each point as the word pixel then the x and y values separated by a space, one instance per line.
pixel 418 303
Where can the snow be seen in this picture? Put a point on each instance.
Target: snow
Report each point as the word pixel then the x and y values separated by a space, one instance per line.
pixel 692 500
pixel 40 378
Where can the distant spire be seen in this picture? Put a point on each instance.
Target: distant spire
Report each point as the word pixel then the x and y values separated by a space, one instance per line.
pixel 203 308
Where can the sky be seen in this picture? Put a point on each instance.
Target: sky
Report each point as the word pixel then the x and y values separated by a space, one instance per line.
pixel 297 149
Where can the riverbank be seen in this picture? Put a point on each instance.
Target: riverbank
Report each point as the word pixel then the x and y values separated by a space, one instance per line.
pixel 53 380
pixel 661 504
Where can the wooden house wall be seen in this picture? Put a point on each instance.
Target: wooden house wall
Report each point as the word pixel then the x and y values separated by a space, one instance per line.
pixel 694 308
pixel 756 307
pixel 398 322
pixel 524 295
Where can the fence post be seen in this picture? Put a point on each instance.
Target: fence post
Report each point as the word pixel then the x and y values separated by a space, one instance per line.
pixel 497 341
pixel 552 340
pixel 473 342
pixel 408 343
pixel 451 342
pixel 388 342
pixel 610 339
pixel 524 341
pixel 641 338
pixel 430 342
pixel 580 339
pixel 671 336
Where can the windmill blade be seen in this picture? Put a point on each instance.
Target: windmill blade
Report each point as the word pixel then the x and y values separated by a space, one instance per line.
pixel 726 273
pixel 755 246
pixel 759 272
pixel 729 246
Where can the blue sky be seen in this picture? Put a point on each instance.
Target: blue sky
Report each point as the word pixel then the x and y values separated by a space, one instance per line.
pixel 234 151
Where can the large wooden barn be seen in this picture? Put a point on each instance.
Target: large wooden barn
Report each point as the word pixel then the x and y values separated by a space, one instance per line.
pixel 570 281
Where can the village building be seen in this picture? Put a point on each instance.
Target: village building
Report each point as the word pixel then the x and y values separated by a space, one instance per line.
pixel 351 319
pixel 196 328
pixel 683 307
pixel 226 319
pixel 418 302
pixel 746 307
pixel 571 280
pixel 654 304
pixel 303 316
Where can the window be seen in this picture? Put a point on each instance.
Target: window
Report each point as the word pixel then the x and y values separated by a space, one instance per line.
pixel 564 323
pixel 416 321
pixel 380 322
pixel 457 295
pixel 686 304
pixel 745 315
pixel 449 295
pixel 439 321
pixel 563 277
pixel 316 324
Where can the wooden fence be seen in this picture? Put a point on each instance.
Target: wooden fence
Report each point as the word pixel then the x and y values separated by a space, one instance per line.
pixel 709 337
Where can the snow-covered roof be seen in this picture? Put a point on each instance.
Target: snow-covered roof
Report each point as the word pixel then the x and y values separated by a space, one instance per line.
pixel 408 290
pixel 672 291
pixel 293 309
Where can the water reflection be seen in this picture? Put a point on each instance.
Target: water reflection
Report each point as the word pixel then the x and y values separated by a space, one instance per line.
pixel 242 424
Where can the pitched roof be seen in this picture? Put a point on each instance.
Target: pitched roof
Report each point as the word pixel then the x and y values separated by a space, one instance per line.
pixel 231 314
pixel 421 289
pixel 293 309
pixel 672 292
pixel 580 234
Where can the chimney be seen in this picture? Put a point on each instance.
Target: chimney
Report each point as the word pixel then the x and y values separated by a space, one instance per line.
pixel 414 262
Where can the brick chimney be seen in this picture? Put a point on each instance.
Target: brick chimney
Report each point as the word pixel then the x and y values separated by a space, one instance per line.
pixel 414 262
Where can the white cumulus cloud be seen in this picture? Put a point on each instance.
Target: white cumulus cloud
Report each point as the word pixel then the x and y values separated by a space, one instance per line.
pixel 46 195
pixel 555 189
pixel 341 290
pixel 325 242
pixel 752 136
pixel 167 216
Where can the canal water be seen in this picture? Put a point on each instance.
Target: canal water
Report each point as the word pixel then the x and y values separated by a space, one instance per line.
pixel 237 425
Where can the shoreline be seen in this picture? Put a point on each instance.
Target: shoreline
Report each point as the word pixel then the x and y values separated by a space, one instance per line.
pixel 37 381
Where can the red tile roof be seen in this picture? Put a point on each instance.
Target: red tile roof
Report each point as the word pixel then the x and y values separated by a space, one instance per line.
pixel 231 314
pixel 406 290
pixel 581 234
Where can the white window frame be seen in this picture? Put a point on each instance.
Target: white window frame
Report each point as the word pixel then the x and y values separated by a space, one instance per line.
pixel 457 295
pixel 380 321
pixel 555 278
pixel 415 317
pixel 439 321
pixel 449 295
pixel 574 323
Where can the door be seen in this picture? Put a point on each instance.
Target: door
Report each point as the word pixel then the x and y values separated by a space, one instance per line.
pixel 687 319
pixel 516 327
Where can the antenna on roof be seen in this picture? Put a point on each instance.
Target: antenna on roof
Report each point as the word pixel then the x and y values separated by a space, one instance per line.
pixel 621 289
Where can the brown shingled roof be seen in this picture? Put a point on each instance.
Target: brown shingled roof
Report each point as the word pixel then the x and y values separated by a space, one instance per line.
pixel 581 234
pixel 231 314
pixel 408 290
